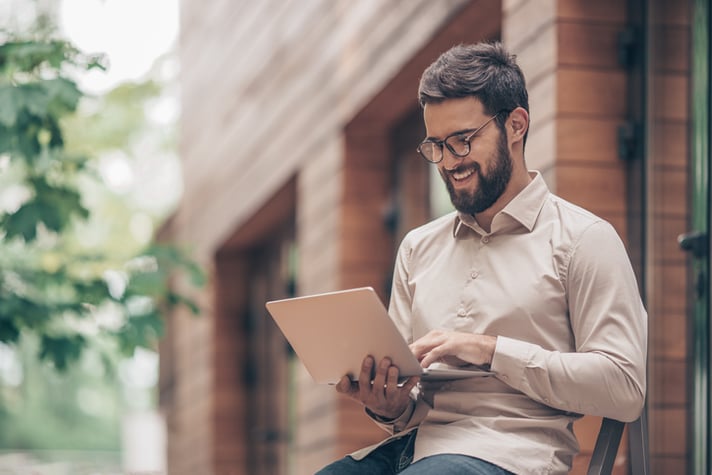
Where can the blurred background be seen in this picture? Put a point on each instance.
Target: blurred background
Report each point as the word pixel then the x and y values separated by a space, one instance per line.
pixel 221 154
pixel 98 412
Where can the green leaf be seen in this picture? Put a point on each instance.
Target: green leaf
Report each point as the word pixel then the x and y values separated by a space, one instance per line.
pixel 52 205
pixel 28 55
pixel 8 140
pixel 96 61
pixel 34 98
pixel 141 330
pixel 63 95
pixel 26 132
pixel 176 299
pixel 197 275
pixel 93 292
pixel 56 137
pixel 9 333
pixel 10 105
pixel 44 283
pixel 61 350
pixel 22 311
pixel 23 222
pixel 66 198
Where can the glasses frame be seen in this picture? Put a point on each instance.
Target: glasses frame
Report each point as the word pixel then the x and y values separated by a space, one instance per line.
pixel 468 136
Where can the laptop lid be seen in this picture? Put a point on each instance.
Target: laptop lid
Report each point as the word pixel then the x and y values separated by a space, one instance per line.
pixel 332 333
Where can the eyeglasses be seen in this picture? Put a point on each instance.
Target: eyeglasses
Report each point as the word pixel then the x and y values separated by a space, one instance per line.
pixel 458 144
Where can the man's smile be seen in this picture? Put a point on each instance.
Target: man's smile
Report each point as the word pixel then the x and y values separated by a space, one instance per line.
pixel 463 175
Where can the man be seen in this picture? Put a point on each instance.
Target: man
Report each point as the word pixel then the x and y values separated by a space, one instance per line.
pixel 517 280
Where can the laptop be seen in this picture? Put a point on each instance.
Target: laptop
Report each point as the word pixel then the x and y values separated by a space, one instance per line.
pixel 332 333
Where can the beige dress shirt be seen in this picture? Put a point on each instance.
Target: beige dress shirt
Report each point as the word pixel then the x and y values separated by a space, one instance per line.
pixel 554 283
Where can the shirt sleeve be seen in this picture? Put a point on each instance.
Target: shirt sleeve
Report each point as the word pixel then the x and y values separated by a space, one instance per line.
pixel 606 375
pixel 399 309
pixel 396 425
pixel 412 417
pixel 401 301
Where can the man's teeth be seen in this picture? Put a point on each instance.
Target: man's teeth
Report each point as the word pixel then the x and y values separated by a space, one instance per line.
pixel 461 175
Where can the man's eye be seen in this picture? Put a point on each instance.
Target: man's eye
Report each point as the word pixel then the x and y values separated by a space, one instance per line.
pixel 460 139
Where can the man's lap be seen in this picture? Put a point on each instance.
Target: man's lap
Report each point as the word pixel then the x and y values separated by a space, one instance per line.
pixel 394 458
pixel 453 464
pixel 388 459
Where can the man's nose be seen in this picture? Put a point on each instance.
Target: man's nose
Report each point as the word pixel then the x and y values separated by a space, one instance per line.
pixel 450 160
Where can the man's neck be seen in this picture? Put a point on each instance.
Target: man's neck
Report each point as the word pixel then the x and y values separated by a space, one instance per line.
pixel 516 184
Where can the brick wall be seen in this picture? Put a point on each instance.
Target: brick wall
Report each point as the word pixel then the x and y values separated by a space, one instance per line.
pixel 267 88
pixel 367 246
pixel 310 92
pixel 577 94
pixel 186 377
pixel 668 216
pixel 579 99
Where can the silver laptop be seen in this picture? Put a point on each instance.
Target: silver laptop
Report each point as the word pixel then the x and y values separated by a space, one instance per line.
pixel 331 334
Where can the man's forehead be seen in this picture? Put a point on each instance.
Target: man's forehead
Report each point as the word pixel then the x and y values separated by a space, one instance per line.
pixel 451 115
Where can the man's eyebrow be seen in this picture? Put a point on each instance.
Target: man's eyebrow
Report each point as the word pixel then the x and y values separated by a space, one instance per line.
pixel 457 132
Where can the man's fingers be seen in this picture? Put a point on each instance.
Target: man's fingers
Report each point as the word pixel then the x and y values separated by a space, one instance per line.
pixel 392 382
pixel 379 390
pixel 425 344
pixel 379 381
pixel 431 357
pixel 364 379
pixel 420 349
pixel 344 385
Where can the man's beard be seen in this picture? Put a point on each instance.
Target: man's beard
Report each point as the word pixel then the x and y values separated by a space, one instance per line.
pixel 490 185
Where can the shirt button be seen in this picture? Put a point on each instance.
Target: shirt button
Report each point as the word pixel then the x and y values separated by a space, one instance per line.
pixel 461 312
pixel 474 274
pixel 485 239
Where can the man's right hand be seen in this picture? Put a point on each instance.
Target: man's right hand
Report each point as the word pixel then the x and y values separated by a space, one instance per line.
pixel 379 391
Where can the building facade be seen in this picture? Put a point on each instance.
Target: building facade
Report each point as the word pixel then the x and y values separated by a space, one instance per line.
pixel 299 127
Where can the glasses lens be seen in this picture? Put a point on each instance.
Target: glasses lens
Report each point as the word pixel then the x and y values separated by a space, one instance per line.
pixel 458 145
pixel 430 151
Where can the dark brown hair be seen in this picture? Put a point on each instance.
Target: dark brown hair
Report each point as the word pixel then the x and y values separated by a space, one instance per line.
pixel 486 71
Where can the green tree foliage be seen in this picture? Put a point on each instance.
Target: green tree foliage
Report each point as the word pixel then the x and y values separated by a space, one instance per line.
pixel 29 419
pixel 49 286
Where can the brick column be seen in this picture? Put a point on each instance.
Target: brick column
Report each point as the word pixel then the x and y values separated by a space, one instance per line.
pixel 577 95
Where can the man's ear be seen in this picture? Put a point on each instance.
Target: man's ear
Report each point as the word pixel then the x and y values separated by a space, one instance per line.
pixel 518 124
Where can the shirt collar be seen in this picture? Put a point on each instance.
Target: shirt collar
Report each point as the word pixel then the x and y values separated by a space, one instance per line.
pixel 523 208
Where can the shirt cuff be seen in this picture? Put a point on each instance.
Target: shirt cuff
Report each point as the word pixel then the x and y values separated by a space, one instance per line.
pixel 510 360
pixel 397 424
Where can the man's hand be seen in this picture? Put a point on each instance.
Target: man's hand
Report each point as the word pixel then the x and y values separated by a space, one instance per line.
pixel 379 392
pixel 454 348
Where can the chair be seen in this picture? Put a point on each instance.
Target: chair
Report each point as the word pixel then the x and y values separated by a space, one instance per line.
pixel 609 437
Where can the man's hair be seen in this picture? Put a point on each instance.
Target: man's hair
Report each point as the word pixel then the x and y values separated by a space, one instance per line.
pixel 486 71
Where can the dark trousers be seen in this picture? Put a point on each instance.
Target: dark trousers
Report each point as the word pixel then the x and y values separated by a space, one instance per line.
pixel 396 456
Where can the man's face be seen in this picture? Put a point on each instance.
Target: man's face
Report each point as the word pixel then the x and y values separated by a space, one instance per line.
pixel 475 181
